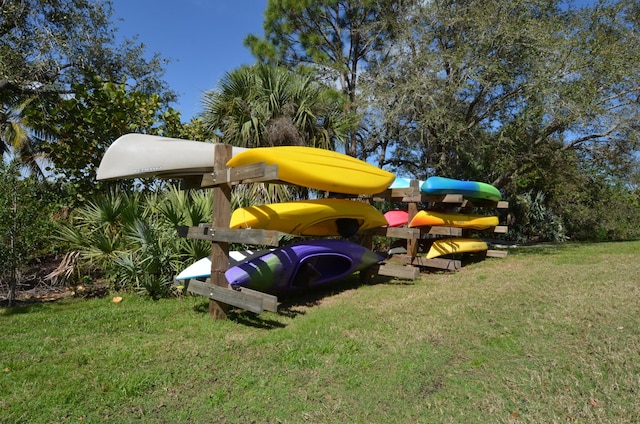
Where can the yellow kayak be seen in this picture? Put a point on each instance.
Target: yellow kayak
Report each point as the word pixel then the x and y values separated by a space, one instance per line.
pixel 442 219
pixel 318 217
pixel 455 245
pixel 318 168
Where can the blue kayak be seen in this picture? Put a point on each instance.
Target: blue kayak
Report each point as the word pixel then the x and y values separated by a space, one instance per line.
pixel 470 189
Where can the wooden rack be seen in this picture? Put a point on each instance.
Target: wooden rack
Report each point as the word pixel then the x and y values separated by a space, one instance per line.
pixel 407 266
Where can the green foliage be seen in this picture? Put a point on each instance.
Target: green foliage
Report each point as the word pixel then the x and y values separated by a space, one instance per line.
pixel 132 238
pixel 26 207
pixel 266 105
pixel 488 90
pixel 530 219
pixel 336 38
pixel 78 130
pixel 601 209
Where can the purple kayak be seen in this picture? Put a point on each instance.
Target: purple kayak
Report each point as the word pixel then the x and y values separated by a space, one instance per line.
pixel 300 266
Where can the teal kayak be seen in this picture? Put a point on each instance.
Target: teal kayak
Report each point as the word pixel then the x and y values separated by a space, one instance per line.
pixel 470 189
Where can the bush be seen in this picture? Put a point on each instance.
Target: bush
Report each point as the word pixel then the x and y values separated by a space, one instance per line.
pixel 26 207
pixel 531 220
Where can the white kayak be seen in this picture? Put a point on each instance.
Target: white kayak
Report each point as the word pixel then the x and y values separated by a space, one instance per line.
pixel 143 155
pixel 202 268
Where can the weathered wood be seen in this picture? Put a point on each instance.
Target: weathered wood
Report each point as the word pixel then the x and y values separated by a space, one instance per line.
pixel 501 229
pixel 231 235
pixel 439 263
pixel 394 232
pixel 443 198
pixel 269 302
pixel 248 173
pixel 246 299
pixel 440 231
pixel 221 218
pixel 497 253
pixel 404 272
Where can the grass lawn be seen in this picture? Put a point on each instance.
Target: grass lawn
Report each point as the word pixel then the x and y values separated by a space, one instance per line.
pixel 547 335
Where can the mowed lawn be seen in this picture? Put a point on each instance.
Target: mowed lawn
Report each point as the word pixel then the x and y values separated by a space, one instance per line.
pixel 546 335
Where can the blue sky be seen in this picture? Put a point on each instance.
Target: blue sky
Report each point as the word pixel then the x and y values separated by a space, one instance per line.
pixel 203 38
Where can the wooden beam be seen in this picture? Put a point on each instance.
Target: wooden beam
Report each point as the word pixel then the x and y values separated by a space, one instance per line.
pixel 497 253
pixel 249 173
pixel 404 272
pixel 440 263
pixel 443 198
pixel 246 299
pixel 221 218
pixel 440 231
pixel 231 235
pixel 501 229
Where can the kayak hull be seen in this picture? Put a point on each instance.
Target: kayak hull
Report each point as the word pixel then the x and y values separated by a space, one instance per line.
pixel 202 268
pixel 426 218
pixel 396 218
pixel 316 217
pixel 301 266
pixel 143 155
pixel 470 189
pixel 449 246
pixel 318 169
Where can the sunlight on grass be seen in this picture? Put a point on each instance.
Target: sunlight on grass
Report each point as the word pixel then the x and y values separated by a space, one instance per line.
pixel 541 336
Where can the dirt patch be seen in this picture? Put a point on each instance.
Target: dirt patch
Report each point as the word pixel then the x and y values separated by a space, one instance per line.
pixel 34 287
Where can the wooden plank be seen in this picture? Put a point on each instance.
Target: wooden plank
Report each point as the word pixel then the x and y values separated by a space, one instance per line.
pixel 227 296
pixel 399 271
pixel 443 198
pixel 501 229
pixel 440 263
pixel 408 194
pixel 231 235
pixel 269 302
pixel 497 253
pixel 249 173
pixel 440 231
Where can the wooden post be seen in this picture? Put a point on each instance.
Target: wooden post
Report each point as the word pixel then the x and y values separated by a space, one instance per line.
pixel 412 209
pixel 221 218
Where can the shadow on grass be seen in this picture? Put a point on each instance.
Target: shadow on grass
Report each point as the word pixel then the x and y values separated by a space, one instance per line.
pixel 293 305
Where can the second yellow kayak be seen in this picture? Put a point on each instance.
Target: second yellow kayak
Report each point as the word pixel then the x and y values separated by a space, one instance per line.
pixel 426 218
pixel 317 217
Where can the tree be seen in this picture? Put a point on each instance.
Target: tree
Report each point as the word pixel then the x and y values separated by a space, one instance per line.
pixel 51 51
pixel 265 105
pixel 25 223
pixel 75 132
pixel 499 91
pixel 337 37
pixel 47 46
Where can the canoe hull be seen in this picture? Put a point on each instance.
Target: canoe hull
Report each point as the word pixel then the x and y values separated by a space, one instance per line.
pixel 319 169
pixel 426 218
pixel 143 155
pixel 317 217
pixel 470 189
pixel 449 246
pixel 301 266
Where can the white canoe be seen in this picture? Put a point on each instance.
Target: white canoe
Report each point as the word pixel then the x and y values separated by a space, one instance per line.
pixel 143 155
pixel 202 268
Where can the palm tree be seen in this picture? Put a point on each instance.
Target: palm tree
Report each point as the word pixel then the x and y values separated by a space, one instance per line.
pixel 15 138
pixel 264 105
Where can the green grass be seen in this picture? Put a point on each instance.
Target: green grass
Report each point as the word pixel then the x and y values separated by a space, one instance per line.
pixel 546 335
